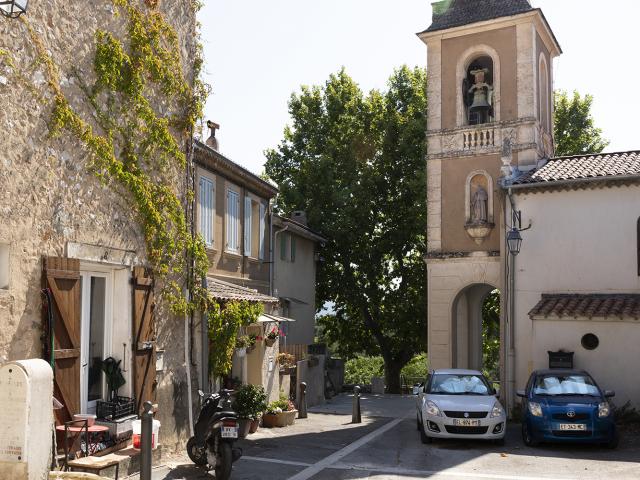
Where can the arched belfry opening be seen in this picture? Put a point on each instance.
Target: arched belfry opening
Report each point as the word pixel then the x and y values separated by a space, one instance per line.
pixel 476 329
pixel 478 91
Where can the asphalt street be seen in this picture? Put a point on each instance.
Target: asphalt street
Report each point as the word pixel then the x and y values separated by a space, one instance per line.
pixel 387 446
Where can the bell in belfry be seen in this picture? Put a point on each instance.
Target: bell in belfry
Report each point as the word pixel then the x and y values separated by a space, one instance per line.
pixel 481 98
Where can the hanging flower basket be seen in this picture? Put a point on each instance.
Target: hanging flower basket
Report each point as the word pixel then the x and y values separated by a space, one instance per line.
pixel 270 342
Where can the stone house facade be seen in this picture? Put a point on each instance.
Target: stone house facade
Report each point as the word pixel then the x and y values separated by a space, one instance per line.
pixel 61 227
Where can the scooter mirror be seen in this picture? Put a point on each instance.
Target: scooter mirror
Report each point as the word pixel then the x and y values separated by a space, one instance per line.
pixel 201 393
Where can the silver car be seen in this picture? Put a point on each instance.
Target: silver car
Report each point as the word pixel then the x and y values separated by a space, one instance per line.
pixel 457 403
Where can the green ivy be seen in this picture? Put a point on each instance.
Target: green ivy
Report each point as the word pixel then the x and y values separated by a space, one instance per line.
pixel 225 320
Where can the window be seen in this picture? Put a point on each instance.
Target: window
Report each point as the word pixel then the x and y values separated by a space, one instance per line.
pixel 4 266
pixel 233 221
pixel 293 249
pixel 247 226
pixel 263 227
pixel 283 246
pixel 207 210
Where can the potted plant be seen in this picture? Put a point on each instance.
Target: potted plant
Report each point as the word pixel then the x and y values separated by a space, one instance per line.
pixel 242 343
pixel 280 413
pixel 250 401
pixel 253 339
pixel 272 336
pixel 287 362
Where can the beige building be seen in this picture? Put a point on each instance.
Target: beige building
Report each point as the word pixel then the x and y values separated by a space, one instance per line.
pixel 294 276
pixel 64 229
pixel 492 178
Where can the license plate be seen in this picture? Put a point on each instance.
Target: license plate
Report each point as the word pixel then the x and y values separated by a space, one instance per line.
pixel 229 432
pixel 466 422
pixel 573 426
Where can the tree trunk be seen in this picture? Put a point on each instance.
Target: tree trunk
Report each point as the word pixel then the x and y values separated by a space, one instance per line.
pixel 392 369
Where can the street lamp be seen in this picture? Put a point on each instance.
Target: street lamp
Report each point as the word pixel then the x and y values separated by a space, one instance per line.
pixel 13 8
pixel 514 241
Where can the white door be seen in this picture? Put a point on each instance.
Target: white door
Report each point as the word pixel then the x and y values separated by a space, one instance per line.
pixel 96 292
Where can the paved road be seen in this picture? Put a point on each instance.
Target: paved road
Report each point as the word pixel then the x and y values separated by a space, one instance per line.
pixel 387 446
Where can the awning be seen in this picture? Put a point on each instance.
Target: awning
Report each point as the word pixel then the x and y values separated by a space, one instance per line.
pixel 293 300
pixel 229 291
pixel 269 318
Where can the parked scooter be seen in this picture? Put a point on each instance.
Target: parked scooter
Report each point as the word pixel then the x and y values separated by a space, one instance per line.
pixel 216 431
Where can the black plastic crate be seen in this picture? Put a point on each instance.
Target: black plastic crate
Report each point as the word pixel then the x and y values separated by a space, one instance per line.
pixel 119 407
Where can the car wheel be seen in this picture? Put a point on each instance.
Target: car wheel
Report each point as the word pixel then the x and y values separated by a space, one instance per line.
pixel 615 440
pixel 424 438
pixel 527 438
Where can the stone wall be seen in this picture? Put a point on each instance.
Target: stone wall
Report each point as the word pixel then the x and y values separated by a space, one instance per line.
pixel 48 199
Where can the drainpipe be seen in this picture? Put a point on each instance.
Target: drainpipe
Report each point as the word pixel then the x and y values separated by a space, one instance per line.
pixel 511 371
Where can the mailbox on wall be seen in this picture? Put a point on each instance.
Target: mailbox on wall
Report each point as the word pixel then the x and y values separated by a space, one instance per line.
pixel 26 416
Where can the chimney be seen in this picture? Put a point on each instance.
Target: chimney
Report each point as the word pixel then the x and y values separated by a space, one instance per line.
pixel 300 217
pixel 212 141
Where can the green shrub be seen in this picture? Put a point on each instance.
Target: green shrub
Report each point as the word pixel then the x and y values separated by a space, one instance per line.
pixel 360 370
pixel 417 367
pixel 250 401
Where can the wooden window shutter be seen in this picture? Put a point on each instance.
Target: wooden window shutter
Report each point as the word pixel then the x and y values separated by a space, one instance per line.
pixel 293 248
pixel 144 337
pixel 62 277
pixel 247 226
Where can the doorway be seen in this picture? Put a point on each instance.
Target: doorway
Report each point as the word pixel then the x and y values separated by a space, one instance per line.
pixel 476 330
pixel 95 301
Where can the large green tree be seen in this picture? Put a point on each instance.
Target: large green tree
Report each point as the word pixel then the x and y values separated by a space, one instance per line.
pixel 355 163
pixel 574 128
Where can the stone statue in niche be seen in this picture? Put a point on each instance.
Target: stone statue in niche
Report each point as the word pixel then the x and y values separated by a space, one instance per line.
pixel 479 206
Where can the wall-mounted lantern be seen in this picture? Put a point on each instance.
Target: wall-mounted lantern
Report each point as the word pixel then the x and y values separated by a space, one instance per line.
pixel 13 8
pixel 514 241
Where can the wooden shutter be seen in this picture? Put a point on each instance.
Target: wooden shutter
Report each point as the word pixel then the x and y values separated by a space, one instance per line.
pixel 62 277
pixel 144 338
pixel 247 226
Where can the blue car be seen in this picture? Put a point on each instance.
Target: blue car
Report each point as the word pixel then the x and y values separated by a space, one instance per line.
pixel 567 406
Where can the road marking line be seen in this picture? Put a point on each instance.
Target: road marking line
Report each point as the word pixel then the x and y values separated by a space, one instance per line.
pixel 275 460
pixel 447 473
pixel 352 447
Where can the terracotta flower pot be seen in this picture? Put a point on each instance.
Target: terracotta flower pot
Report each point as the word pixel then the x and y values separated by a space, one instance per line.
pixel 270 342
pixel 254 425
pixel 270 420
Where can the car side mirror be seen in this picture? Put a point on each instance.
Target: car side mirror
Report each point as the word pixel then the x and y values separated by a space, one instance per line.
pixel 521 393
pixel 609 393
pixel 417 388
pixel 496 392
pixel 201 393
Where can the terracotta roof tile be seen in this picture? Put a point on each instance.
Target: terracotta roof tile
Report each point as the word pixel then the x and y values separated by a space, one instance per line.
pixel 582 167
pixel 464 12
pixel 230 291
pixel 588 305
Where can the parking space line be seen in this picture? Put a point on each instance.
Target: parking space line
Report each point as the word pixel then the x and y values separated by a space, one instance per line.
pixel 352 447
pixel 446 473
pixel 275 460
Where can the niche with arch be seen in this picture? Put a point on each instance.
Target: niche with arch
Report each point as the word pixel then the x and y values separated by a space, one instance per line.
pixel 479 205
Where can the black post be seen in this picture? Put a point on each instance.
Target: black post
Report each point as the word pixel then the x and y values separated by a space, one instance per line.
pixel 145 442
pixel 355 416
pixel 302 403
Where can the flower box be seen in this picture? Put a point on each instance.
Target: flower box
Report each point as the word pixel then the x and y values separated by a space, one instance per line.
pixel 278 420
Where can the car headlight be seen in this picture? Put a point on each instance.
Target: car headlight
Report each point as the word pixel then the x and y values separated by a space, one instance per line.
pixel 604 410
pixel 432 409
pixel 535 409
pixel 497 410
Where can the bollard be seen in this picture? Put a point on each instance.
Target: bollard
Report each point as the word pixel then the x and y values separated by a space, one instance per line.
pixel 302 403
pixel 355 416
pixel 146 434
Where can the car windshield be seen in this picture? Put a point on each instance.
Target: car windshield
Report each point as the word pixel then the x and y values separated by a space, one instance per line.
pixel 565 385
pixel 457 384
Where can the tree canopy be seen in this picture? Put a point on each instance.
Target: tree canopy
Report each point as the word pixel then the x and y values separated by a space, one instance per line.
pixel 355 163
pixel 574 128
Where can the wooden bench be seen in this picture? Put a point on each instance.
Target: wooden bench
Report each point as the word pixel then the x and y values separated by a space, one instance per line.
pixel 95 464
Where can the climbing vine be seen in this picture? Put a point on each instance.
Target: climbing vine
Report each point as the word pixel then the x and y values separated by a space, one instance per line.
pixel 136 149
pixel 224 322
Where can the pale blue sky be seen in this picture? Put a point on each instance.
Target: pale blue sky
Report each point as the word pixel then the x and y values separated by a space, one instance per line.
pixel 258 52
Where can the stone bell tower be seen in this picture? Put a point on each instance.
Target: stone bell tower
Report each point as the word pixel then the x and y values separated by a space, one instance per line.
pixel 490 116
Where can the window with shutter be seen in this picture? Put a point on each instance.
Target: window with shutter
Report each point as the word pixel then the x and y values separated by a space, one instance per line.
pixel 207 209
pixel 247 226
pixel 233 221
pixel 263 224
pixel 293 248
pixel 283 246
